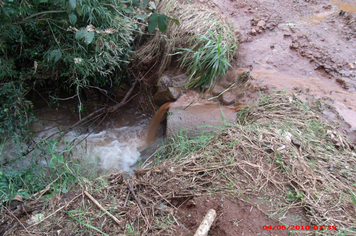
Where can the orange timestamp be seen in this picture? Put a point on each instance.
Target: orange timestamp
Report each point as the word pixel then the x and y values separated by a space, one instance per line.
pixel 299 227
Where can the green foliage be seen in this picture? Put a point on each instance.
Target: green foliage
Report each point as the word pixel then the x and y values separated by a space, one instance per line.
pixel 207 64
pixel 47 166
pixel 66 44
pixel 15 112
pixel 82 40
pixel 155 18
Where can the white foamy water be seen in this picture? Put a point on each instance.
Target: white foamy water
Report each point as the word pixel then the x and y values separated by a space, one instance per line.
pixel 114 145
pixel 115 149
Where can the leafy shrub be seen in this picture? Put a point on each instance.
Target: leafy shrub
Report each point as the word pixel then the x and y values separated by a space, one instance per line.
pixel 62 44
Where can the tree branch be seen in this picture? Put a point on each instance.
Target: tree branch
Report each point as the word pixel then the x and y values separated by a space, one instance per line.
pixel 43 13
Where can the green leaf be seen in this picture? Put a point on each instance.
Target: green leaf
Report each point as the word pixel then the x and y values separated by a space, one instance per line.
pixel 223 117
pixel 55 55
pixel 72 18
pixel 152 6
pixel 353 197
pixel 153 22
pixel 174 20
pixel 79 10
pixel 128 10
pixel 80 34
pixel 141 17
pixel 162 22
pixel 144 3
pixel 233 143
pixel 72 4
pixel 88 36
pixel 36 2
pixel 135 3
pixel 87 225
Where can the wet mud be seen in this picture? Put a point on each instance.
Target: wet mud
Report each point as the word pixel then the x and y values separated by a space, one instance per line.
pixel 304 47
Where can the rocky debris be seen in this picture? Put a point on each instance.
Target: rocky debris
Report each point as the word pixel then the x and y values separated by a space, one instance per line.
pixel 347 83
pixel 217 90
pixel 260 25
pixel 177 81
pixel 170 95
pixel 169 88
pixel 321 56
pixel 253 31
pixel 228 98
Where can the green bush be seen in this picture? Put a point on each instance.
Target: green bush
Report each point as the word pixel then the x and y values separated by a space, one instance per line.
pixel 60 44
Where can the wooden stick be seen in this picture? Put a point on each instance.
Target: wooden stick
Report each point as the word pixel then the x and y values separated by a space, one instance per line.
pixel 136 198
pixel 102 208
pixel 206 223
pixel 18 220
pixel 127 198
pixel 222 92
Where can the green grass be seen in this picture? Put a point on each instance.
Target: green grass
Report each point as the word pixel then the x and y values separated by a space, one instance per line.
pixel 208 63
pixel 45 167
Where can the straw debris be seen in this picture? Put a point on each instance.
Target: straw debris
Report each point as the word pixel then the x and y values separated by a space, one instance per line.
pixel 279 148
pixel 195 20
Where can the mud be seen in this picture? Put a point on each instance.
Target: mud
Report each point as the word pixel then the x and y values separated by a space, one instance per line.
pixel 307 47
pixel 234 217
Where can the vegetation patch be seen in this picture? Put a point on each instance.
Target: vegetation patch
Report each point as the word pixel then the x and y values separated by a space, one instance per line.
pixel 200 29
pixel 279 149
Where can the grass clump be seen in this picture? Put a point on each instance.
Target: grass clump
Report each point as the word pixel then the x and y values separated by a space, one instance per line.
pixel 199 27
pixel 207 64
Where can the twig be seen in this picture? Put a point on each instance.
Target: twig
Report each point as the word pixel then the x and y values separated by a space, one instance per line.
pixel 222 92
pixel 136 198
pixel 43 12
pixel 213 168
pixel 190 104
pixel 123 102
pixel 64 99
pixel 127 198
pixel 56 211
pixel 102 208
pixel 17 220
pixel 43 191
pixel 164 198
pixel 143 212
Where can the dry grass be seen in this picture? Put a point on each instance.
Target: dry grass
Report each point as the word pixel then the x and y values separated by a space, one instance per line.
pixel 280 148
pixel 195 20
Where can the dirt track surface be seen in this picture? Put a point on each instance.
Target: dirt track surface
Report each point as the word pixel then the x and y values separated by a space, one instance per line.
pixel 307 47
pixel 234 217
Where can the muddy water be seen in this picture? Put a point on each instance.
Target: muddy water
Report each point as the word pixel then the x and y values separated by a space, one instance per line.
pixel 115 143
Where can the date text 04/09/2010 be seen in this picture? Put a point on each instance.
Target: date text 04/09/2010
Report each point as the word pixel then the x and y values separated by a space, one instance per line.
pixel 299 227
